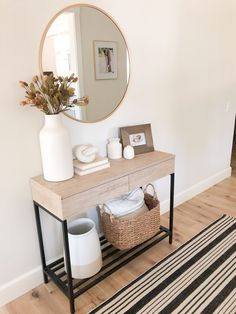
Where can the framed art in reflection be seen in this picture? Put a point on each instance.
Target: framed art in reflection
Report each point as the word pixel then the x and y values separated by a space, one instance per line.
pixel 105 58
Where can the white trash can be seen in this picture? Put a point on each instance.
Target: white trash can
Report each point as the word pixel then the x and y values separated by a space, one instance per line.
pixel 85 249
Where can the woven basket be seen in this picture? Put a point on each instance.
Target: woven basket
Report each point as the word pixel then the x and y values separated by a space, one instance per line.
pixel 127 233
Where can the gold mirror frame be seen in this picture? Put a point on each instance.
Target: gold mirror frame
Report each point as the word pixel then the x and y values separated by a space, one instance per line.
pixel 41 53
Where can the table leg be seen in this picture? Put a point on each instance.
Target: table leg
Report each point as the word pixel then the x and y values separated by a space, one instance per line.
pixel 68 266
pixel 171 219
pixel 41 245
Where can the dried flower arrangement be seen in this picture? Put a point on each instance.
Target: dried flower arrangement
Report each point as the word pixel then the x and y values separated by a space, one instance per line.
pixel 52 94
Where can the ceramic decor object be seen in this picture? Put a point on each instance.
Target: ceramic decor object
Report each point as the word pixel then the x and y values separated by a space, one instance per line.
pixel 56 151
pixel 85 153
pixel 128 152
pixel 114 148
pixel 85 250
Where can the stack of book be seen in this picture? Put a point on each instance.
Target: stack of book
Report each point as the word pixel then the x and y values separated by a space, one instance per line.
pixel 98 164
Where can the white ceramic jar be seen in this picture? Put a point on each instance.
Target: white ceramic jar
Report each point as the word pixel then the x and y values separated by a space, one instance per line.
pixel 85 249
pixel 114 148
pixel 56 152
pixel 128 152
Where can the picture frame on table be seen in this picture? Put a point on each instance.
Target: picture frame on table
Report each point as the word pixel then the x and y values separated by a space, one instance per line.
pixel 105 60
pixel 139 137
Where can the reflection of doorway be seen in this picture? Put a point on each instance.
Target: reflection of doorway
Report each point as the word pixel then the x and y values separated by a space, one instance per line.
pixel 60 53
pixel 233 156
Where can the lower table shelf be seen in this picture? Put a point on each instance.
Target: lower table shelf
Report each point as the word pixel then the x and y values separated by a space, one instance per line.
pixel 113 259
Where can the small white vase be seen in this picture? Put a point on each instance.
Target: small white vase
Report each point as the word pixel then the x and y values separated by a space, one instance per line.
pixel 85 250
pixel 56 150
pixel 114 148
pixel 128 152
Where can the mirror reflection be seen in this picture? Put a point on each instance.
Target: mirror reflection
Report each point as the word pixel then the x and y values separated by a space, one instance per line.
pixel 85 41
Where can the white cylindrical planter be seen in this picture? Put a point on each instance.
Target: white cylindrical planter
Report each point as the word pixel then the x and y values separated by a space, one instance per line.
pixel 85 250
pixel 56 150
pixel 114 148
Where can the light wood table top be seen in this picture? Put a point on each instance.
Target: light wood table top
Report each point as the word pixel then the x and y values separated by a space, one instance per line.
pixel 62 198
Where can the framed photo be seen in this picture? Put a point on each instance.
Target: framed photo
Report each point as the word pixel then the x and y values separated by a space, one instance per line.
pixel 139 137
pixel 105 58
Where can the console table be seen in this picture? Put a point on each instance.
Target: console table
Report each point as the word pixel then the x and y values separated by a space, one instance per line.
pixel 65 200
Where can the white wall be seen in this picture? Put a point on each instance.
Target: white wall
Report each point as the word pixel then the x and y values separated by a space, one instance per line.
pixel 183 73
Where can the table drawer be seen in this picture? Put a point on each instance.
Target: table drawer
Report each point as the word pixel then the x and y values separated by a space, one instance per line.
pixel 151 174
pixel 80 202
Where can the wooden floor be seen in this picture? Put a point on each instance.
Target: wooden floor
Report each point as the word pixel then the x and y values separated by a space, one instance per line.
pixel 190 218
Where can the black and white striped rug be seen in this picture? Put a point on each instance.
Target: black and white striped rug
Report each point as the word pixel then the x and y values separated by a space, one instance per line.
pixel 199 277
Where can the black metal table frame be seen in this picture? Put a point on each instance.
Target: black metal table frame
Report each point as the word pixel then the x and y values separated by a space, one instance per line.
pixel 67 286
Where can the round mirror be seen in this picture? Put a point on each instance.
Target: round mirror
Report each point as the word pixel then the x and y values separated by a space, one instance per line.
pixel 84 40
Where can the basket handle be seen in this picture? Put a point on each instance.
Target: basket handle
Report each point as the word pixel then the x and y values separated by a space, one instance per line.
pixel 102 210
pixel 153 189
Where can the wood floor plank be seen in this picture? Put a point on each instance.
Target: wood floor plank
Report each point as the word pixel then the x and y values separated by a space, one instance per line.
pixel 3 310
pixel 190 218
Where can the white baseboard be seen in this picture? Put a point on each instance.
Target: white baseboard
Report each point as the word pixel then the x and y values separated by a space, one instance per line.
pixel 196 189
pixel 20 285
pixel 33 278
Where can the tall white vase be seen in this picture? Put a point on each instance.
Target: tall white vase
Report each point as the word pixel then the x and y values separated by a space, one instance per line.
pixel 85 250
pixel 56 150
